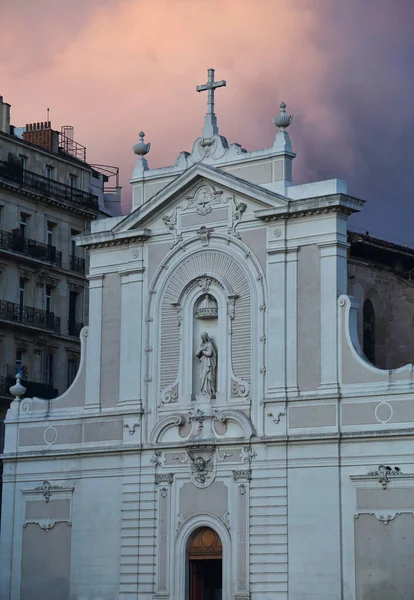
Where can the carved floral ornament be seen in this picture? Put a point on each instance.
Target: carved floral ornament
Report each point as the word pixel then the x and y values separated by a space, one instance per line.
pixel 47 490
pixel 384 474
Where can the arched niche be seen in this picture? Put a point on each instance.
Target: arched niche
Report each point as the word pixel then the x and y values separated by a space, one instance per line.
pixel 177 337
pixel 228 261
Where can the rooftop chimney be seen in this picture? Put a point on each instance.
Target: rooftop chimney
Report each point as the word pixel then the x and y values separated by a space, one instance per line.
pixel 4 116
pixel 42 135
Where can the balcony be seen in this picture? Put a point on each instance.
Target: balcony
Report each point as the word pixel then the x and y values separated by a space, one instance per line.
pixel 13 172
pixel 34 389
pixel 17 243
pixel 77 264
pixel 28 315
pixel 74 328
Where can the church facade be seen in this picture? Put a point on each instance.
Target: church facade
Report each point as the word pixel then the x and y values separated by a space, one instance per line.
pixel 225 437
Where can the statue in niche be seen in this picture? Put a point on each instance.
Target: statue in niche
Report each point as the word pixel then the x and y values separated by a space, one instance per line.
pixel 207 356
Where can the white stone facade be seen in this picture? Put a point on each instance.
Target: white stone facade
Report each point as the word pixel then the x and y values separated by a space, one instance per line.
pixel 104 485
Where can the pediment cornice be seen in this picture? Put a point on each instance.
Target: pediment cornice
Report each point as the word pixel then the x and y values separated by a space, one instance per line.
pixel 198 174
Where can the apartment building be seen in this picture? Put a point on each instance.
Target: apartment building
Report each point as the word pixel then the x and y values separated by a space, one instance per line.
pixel 49 194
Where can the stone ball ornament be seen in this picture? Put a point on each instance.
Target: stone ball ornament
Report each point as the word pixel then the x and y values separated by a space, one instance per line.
pixel 141 148
pixel 282 120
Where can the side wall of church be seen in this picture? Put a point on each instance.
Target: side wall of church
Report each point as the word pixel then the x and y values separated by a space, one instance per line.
pixel 393 301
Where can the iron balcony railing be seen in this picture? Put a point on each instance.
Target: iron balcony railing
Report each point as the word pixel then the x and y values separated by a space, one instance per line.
pixel 47 187
pixel 34 389
pixel 17 243
pixel 74 328
pixel 77 264
pixel 28 315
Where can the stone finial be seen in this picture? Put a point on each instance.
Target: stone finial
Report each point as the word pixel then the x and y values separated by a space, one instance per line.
pixel 282 120
pixel 17 390
pixel 141 148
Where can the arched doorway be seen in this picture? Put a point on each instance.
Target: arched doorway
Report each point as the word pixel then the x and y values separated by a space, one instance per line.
pixel 205 554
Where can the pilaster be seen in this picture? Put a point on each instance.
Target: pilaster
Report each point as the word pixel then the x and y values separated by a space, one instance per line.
pixel 242 554
pixel 275 340
pixel 291 321
pixel 333 267
pixel 163 482
pixel 94 347
pixel 131 336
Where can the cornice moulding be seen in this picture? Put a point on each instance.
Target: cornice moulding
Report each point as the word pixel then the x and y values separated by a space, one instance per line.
pixel 109 238
pixel 320 204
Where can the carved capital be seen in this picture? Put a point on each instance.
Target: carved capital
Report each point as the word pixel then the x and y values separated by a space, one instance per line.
pixel 164 478
pixel 243 475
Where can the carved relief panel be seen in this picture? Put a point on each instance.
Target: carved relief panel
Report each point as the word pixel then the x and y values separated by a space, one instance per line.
pixel 205 205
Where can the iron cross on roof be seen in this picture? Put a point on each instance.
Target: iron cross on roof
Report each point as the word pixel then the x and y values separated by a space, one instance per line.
pixel 210 123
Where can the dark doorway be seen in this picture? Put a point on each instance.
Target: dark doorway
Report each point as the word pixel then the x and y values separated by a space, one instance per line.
pixel 205 565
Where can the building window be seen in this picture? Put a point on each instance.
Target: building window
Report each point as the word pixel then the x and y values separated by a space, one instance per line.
pixel 48 369
pixel 73 298
pixel 49 233
pixel 23 161
pixel 48 299
pixel 22 291
pixel 23 224
pixel 49 172
pixel 368 342
pixel 20 366
pixel 72 181
pixel 73 234
pixel 73 366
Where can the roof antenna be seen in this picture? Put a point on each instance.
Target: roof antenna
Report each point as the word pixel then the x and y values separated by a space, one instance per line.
pixel 48 115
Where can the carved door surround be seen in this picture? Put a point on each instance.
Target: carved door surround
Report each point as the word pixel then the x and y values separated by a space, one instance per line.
pixel 183 544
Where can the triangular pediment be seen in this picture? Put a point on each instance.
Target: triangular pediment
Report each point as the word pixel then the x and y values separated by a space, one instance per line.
pixel 201 190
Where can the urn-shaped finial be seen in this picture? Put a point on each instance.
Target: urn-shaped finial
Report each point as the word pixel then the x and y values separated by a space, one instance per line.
pixel 17 390
pixel 141 148
pixel 282 120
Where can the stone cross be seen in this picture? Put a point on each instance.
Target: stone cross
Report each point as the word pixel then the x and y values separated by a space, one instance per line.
pixel 210 122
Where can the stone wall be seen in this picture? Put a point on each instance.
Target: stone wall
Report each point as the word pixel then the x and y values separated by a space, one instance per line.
pixel 393 300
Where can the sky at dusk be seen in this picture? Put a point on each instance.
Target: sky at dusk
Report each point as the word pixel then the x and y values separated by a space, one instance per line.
pixel 345 68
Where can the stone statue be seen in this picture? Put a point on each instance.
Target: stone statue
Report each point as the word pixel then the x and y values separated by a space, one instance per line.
pixel 208 365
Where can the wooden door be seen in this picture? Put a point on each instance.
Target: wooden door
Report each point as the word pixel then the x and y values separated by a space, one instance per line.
pixel 205 564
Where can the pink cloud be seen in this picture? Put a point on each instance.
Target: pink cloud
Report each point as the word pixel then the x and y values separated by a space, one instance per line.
pixel 114 67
